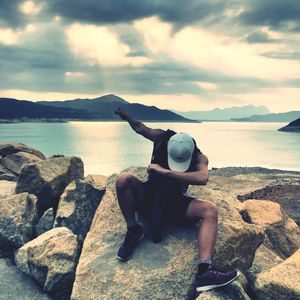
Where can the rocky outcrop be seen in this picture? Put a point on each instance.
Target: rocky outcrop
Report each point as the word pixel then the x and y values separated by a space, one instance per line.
pixel 160 271
pixel 47 179
pixel 45 223
pixel 50 260
pixel 11 148
pixel 286 194
pixel 15 162
pixel 15 285
pixel 281 281
pixel 18 215
pixel 157 271
pixel 77 207
pixel 282 232
pixel 291 127
pixel 7 188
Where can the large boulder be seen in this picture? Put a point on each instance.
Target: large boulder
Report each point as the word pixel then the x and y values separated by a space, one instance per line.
pixel 77 207
pixel 286 194
pixel 50 260
pixel 7 188
pixel 236 245
pixel 45 223
pixel 157 271
pixel 15 162
pixel 15 285
pixel 11 148
pixel 47 179
pixel 283 234
pixel 7 175
pixel 18 215
pixel 281 281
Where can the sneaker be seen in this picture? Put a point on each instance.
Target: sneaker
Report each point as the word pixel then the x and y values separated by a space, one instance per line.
pixel 212 279
pixel 132 238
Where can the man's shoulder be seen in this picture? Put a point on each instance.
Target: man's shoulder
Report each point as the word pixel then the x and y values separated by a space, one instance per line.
pixel 199 159
pixel 163 134
pixel 202 158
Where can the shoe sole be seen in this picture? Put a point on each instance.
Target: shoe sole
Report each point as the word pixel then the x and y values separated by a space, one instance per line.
pixel 122 259
pixel 211 287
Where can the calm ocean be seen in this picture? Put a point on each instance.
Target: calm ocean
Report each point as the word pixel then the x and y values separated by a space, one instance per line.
pixel 108 147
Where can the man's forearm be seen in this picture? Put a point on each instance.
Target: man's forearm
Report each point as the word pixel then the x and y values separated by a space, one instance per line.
pixel 135 124
pixel 194 178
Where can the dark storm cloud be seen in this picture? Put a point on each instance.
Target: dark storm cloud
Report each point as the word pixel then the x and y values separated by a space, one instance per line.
pixel 44 70
pixel 259 37
pixel 133 38
pixel 38 63
pixel 173 78
pixel 10 15
pixel 277 14
pixel 40 60
pixel 106 11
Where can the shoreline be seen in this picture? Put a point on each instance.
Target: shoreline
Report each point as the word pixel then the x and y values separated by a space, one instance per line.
pixel 17 121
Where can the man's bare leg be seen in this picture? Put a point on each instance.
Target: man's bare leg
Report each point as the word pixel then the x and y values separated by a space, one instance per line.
pixel 129 191
pixel 207 276
pixel 208 212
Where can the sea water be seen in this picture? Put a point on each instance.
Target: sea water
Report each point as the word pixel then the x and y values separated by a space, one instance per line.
pixel 109 147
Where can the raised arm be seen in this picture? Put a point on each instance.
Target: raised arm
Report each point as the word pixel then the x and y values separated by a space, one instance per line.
pixel 138 126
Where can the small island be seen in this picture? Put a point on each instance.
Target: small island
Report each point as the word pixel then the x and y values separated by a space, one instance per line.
pixel 292 127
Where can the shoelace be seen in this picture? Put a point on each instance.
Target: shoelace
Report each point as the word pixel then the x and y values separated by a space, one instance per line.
pixel 212 270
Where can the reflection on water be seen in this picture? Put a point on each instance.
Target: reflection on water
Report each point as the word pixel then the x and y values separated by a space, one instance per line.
pixel 108 147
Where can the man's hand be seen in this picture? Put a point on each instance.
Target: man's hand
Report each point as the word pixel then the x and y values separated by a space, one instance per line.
pixel 155 168
pixel 122 113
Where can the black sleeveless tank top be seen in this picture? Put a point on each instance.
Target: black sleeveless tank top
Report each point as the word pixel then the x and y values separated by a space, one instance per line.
pixel 160 157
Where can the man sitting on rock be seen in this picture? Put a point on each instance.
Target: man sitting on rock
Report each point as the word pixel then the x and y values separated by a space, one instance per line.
pixel 176 162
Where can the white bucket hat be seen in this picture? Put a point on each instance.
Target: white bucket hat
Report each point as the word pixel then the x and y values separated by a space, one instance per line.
pixel 180 150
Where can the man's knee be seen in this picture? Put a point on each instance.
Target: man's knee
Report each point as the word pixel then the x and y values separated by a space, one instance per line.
pixel 205 210
pixel 210 211
pixel 125 180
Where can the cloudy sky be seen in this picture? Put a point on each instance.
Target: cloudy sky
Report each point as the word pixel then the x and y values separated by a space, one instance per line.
pixel 184 55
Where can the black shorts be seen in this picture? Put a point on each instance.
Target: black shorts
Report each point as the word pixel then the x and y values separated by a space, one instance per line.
pixel 165 198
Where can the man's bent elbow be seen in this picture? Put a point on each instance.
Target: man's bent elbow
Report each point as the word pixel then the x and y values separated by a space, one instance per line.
pixel 202 181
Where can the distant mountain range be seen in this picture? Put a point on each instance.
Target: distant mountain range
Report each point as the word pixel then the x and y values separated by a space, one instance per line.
pixel 280 117
pixel 101 108
pixel 225 114
pixel 20 109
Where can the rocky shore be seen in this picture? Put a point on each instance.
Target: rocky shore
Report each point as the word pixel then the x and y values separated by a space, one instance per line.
pixel 60 231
